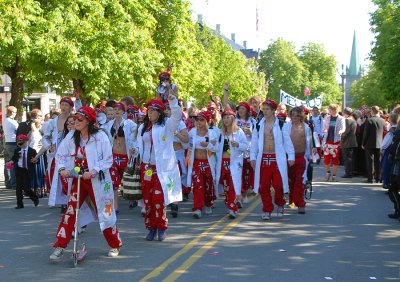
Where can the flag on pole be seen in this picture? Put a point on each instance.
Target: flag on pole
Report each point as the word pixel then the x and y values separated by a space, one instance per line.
pixel 257 19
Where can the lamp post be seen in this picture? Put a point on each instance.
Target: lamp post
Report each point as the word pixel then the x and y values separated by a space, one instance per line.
pixel 343 76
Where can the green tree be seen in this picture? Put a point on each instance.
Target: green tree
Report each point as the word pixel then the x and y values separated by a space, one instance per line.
pixel 21 24
pixel 320 73
pixel 385 22
pixel 283 69
pixel 368 90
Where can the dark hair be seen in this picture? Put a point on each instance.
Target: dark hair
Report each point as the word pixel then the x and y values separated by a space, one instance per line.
pixel 92 129
pixel 128 100
pixel 160 121
pixel 110 103
pixel 66 131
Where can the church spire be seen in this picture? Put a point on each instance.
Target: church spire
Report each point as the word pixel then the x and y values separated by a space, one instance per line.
pixel 354 68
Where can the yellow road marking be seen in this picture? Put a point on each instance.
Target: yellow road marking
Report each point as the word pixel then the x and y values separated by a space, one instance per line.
pixel 197 255
pixel 156 272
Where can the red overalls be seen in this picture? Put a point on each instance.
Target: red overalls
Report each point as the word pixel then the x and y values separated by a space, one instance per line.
pixel 67 224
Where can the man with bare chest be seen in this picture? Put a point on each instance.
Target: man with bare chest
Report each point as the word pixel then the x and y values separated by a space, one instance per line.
pixel 300 135
pixel 269 147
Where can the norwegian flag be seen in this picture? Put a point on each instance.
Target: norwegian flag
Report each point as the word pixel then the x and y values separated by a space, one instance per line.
pixel 226 165
pixel 268 161
pixel 117 160
pixel 363 108
pixel 202 166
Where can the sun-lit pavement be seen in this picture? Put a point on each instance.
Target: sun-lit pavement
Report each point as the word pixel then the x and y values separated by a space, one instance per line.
pixel 345 236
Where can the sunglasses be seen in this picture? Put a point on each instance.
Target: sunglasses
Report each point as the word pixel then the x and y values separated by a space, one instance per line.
pixel 80 119
pixel 164 78
pixel 199 119
pixel 70 122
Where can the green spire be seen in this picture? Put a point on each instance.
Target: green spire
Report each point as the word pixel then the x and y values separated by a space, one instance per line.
pixel 354 68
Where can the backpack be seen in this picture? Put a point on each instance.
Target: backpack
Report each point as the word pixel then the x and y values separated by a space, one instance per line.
pixel 281 123
pixel 24 128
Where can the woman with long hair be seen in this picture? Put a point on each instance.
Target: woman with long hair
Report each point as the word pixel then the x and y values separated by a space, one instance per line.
pixel 161 182
pixel 201 164
pixel 90 150
pixel 232 144
pixel 35 142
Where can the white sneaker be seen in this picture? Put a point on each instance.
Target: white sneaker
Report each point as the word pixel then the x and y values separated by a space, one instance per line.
pixel 197 214
pixel 113 252
pixel 245 200
pixel 333 178
pixel 280 211
pixel 208 210
pixel 232 214
pixel 266 216
pixel 57 254
pixel 327 176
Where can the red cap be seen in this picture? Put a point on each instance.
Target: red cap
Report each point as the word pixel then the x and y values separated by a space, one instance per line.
pixel 133 109
pixel 22 137
pixel 305 110
pixel 253 112
pixel 271 103
pixel 244 104
pixel 207 115
pixel 87 112
pixel 281 116
pixel 67 100
pixel 228 112
pixel 165 73
pixel 156 104
pixel 100 108
pixel 120 105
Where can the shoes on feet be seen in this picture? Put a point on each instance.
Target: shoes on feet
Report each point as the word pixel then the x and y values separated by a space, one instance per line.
pixel 151 235
pixel 197 214
pixel 291 206
pixel 36 202
pixel 281 211
pixel 327 176
pixel 162 234
pixel 57 254
pixel 301 210
pixel 232 214
pixel 19 207
pixel 239 204
pixel 208 210
pixel 266 216
pixel 113 252
pixel 333 178
pixel 174 210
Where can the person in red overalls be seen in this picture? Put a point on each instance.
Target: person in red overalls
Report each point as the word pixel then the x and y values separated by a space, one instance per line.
pixel 90 150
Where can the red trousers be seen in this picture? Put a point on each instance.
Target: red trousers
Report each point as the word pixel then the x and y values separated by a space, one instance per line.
pixel 247 176
pixel 185 190
pixel 296 186
pixel 49 178
pixel 226 179
pixel 203 185
pixel 153 198
pixel 120 161
pixel 270 175
pixel 67 224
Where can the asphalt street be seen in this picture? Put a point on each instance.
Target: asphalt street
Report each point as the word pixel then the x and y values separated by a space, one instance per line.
pixel 344 236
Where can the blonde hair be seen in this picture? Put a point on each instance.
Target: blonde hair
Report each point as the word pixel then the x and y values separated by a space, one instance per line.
pixel 256 98
pixel 334 107
pixel 235 127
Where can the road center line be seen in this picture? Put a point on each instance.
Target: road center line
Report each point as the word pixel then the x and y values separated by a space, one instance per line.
pixel 197 255
pixel 156 272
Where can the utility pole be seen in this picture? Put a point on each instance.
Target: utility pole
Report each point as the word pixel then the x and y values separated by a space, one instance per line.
pixel 343 76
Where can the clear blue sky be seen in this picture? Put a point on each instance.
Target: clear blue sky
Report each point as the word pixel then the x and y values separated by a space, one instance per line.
pixel 328 22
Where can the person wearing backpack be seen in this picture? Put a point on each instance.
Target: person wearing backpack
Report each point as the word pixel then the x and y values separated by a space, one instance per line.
pixel 269 146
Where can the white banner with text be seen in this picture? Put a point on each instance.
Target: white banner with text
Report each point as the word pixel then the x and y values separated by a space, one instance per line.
pixel 291 101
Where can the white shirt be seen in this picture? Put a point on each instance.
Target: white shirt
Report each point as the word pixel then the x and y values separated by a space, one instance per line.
pixel 10 129
pixel 26 157
pixel 148 149
pixel 318 124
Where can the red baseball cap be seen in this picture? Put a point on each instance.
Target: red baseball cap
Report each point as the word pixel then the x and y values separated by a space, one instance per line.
pixel 88 113
pixel 67 100
pixel 156 104
pixel 228 112
pixel 164 74
pixel 207 115
pixel 244 104
pixel 271 103
pixel 22 137
pixel 120 106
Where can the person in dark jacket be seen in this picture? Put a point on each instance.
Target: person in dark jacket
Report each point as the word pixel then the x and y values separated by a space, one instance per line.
pixel 24 170
pixel 394 162
pixel 348 142
pixel 372 139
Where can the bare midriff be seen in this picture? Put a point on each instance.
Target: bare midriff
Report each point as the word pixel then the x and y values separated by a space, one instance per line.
pixel 200 154
pixel 269 142
pixel 298 138
pixel 119 145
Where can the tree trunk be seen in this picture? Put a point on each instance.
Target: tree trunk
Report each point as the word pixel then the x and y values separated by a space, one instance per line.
pixel 17 87
pixel 80 85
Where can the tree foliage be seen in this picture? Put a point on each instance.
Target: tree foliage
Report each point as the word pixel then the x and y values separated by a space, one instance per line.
pixel 292 71
pixel 368 90
pixel 108 48
pixel 385 22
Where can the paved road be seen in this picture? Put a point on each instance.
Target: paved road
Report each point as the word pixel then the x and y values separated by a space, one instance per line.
pixel 345 236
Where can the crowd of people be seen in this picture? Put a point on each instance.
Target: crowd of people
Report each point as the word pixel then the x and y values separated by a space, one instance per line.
pixel 221 150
